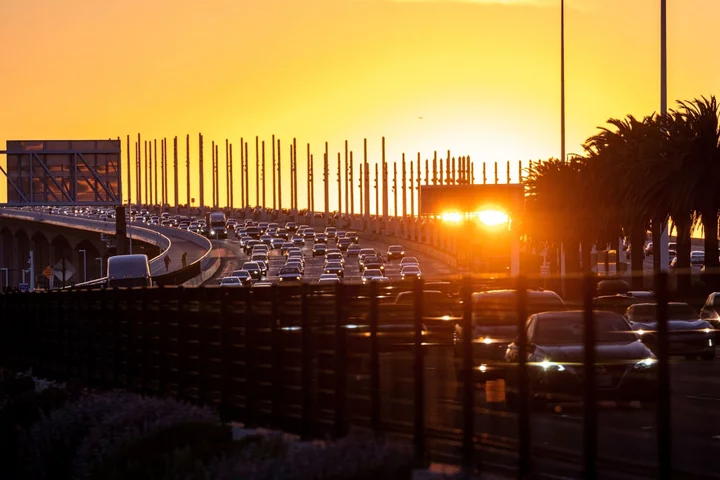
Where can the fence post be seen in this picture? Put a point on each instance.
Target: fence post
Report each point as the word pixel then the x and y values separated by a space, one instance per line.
pixel 375 419
pixel 144 339
pixel 419 374
pixel 182 346
pixel 277 362
pixel 468 389
pixel 225 358
pixel 250 417
pixel 590 401
pixel 664 426
pixel 306 366
pixel 524 438
pixel 340 362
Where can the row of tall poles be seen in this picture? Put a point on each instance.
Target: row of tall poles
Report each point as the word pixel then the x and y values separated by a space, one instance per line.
pixel 446 170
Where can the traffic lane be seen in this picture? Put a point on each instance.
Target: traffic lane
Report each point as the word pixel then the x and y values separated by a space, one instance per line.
pixel 628 434
pixel 231 258
pixel 178 247
pixel 428 265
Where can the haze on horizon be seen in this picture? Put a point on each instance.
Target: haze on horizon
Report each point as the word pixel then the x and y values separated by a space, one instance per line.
pixel 477 77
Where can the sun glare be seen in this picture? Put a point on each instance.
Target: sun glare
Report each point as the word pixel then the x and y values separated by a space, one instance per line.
pixel 451 217
pixel 492 218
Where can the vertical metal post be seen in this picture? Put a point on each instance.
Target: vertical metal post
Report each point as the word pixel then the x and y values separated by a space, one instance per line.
pixel 295 175
pixel 347 183
pixel 213 169
pixel 247 175
pixel 339 184
pixel 497 180
pixel 468 406
pixel 440 173
pixel 360 191
pixel 419 376
pixel 202 173
pixel 340 363
pixel 404 189
pixel 274 175
pixel 375 406
pixel 138 173
pixel 664 425
pixel 155 171
pixel 523 385
pixel 326 180
pixel 590 400
pixel 366 181
pixel 520 172
pixel 146 169
pixel 435 173
pixel 257 171
pixel 228 176
pixel 242 174
pixel 507 167
pixel 188 195
pixel 231 179
pixel 309 180
pixel 279 175
pixel 262 176
pixel 484 173
pixel 350 191
pixel 377 198
pixel 129 175
pixel 412 192
pixel 385 195
pixel 395 191
pixel 562 81
pixel 176 182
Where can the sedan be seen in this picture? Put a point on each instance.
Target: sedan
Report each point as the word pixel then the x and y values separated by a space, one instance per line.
pixel 319 250
pixel 276 243
pixel 697 258
pixel 344 243
pixel 410 272
pixel 409 261
pixel 334 257
pixel 298 241
pixel 689 335
pixel 329 278
pixel 395 251
pixel 230 282
pixel 244 277
pixel 321 238
pixel 371 274
pixel 625 369
pixel 334 267
pixel 353 250
pixel 254 269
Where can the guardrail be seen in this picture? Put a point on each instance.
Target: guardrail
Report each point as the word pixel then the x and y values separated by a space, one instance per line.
pixel 316 361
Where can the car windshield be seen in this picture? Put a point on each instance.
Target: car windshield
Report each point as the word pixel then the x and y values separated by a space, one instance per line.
pixel 647 312
pixel 568 329
pixel 395 249
pixel 251 266
pixel 409 260
pixel 372 272
pixel 240 274
pixel 410 269
pixel 289 269
pixel 230 280
pixel 501 309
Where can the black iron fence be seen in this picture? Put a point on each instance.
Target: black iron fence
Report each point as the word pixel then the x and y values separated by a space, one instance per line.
pixel 317 361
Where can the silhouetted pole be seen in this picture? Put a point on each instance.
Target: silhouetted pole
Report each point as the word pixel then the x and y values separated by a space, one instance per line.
pixel 155 172
pixel 404 193
pixel 427 172
pixel 279 175
pixel 242 174
pixel 187 169
pixel 247 175
pixel 497 180
pixel 440 179
pixel 366 181
pixel 508 171
pixel 385 192
pixel 520 172
pixel 360 192
pixel 129 174
pixel 274 174
pixel 339 184
pixel 448 176
pixel 312 182
pixel 138 173
pixel 395 190
pixel 202 173
pixel 347 181
pixel 351 191
pixel 146 169
pixel 562 81
pixel 217 176
pixel 230 175
pixel 454 172
pixel 176 179
pixel 163 171
pixel 326 183
pixel 257 171
pixel 377 198
pixel 412 191
pixel 435 164
pixel 472 173
pixel 213 169
pixel 309 180
pixel 262 176
pixel 294 178
pixel 484 173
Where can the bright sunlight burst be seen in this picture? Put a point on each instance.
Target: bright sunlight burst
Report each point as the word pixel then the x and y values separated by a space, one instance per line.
pixel 452 217
pixel 492 218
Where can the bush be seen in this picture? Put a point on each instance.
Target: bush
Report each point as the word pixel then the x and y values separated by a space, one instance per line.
pixel 18 415
pixel 48 448
pixel 168 453
pixel 274 456
pixel 128 424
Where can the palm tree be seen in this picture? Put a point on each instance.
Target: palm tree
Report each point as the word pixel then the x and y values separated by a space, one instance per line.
pixel 703 163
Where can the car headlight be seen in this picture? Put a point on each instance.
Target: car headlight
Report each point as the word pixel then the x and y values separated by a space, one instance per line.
pixel 225 231
pixel 645 363
pixel 640 332
pixel 707 330
pixel 549 366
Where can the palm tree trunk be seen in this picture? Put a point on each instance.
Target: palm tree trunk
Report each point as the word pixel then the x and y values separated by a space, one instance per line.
pixel 683 223
pixel 586 256
pixel 637 241
pixel 710 225
pixel 656 229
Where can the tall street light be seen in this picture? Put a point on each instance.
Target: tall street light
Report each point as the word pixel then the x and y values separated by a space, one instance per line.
pixel 562 80
pixel 664 239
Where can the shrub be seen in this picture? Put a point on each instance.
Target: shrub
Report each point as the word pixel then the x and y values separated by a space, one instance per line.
pixel 354 457
pixel 168 453
pixel 142 416
pixel 48 448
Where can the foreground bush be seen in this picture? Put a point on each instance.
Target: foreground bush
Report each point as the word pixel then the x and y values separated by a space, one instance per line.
pixel 274 456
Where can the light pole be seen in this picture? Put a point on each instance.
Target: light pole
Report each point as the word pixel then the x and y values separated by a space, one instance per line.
pixel 562 80
pixel 82 250
pixel 100 259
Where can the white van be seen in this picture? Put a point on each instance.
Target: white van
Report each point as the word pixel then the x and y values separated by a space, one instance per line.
pixel 129 271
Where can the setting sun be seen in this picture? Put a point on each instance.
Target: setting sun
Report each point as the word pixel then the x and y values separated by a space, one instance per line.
pixel 492 218
pixel 451 217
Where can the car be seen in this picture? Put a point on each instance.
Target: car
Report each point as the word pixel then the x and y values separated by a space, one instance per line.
pixel 249 245
pixel 281 233
pixel 371 274
pixel 353 250
pixel 330 232
pixel 334 257
pixel 262 226
pixel 308 234
pixel 321 238
pixel 298 241
pixel 319 249
pixel 263 267
pixel 374 262
pixel 625 369
pixel 295 252
pixel 296 264
pixel 410 272
pixel 339 234
pixel 244 276
pixel 354 236
pixel 329 278
pixel 290 274
pixel 344 243
pixel 710 312
pixel 285 247
pixel 230 282
pixel 409 261
pixel 253 232
pixel 259 256
pixel 614 303
pixel 395 252
pixel 128 271
pixel 266 239
pixel 253 269
pixel 291 226
pixel 689 335
pixel 243 240
pixel 277 243
pixel 334 267
pixel 697 258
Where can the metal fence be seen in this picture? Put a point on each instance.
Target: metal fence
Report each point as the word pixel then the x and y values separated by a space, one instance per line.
pixel 318 361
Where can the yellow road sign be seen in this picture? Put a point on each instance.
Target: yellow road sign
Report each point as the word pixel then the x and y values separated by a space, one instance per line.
pixel 48 272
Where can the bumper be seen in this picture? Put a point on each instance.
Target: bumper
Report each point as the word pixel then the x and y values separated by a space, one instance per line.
pixel 615 385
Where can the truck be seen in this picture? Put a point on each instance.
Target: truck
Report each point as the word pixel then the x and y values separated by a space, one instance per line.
pixel 128 271
pixel 216 225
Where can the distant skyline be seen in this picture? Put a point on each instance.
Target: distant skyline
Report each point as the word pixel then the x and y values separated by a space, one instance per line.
pixel 479 78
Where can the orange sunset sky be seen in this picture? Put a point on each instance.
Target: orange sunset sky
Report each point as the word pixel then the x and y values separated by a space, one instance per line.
pixel 480 78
